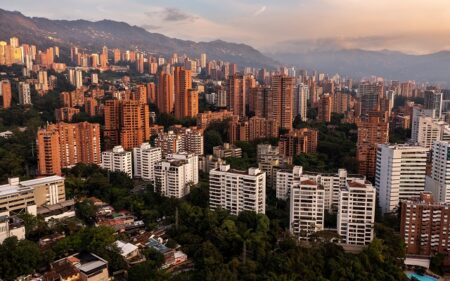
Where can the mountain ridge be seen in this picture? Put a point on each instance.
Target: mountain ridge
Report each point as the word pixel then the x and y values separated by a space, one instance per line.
pixel 114 34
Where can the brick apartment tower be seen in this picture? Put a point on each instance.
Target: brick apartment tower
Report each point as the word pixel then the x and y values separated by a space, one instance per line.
pixel 63 145
pixel 5 94
pixel 236 99
pixel 372 131
pixel 281 101
pixel 182 84
pixel 165 93
pixel 325 108
pixel 134 124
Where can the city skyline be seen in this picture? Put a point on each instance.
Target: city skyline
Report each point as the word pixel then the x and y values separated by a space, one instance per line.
pixel 419 27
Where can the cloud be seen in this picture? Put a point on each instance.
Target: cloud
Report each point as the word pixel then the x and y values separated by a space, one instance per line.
pixel 174 15
pixel 260 11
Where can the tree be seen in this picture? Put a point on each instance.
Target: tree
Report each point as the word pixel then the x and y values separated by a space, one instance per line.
pixel 85 210
pixel 212 138
pixel 146 271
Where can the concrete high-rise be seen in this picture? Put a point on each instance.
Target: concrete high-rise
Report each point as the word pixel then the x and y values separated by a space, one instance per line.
pixel 175 175
pixel 237 191
pixel 307 210
pixel 117 160
pixel 145 158
pixel 356 212
pixel 438 183
pixel 300 101
pixel 24 93
pixel 370 95
pixel 400 174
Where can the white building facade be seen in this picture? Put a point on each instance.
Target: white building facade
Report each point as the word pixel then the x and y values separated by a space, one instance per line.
pixel 356 213
pixel 237 191
pixel 145 158
pixel 307 208
pixel 400 174
pixel 118 160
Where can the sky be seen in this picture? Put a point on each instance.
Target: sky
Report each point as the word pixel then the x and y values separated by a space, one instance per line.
pixel 412 26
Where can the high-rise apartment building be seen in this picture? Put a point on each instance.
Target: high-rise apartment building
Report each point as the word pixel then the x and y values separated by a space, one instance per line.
pixel 165 96
pixel 145 158
pixel 301 94
pixel 236 190
pixel 49 152
pixel 298 141
pixel 205 118
pixel 236 95
pixel 424 226
pixel 42 81
pixel 181 140
pixel 175 175
pixel 434 100
pixel 325 108
pixel 63 145
pixel 400 174
pixel 438 183
pixel 134 125
pixel 91 106
pixel 372 130
pixel 356 212
pixel 270 161
pixel 65 114
pixel 369 96
pixel 281 107
pixel 227 150
pixel 126 123
pixel 24 93
pixel 118 160
pixel 307 212
pixel 182 83
pixel 428 130
pixel 76 77
pixel 5 94
pixel 203 60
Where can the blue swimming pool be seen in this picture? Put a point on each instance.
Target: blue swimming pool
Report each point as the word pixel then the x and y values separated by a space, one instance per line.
pixel 421 277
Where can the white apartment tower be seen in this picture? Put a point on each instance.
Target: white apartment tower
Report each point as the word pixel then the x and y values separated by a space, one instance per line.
pixel 175 175
pixel 145 158
pixel 307 208
pixel 429 130
pixel 331 183
pixel 300 99
pixel 118 160
pixel 400 174
pixel 24 93
pixel 237 191
pixel 285 180
pixel 356 213
pixel 438 183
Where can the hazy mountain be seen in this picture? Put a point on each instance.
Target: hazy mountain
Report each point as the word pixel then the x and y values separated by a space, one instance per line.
pixel 94 35
pixel 332 57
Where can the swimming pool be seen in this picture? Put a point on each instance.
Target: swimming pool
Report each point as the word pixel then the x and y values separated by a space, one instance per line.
pixel 421 277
